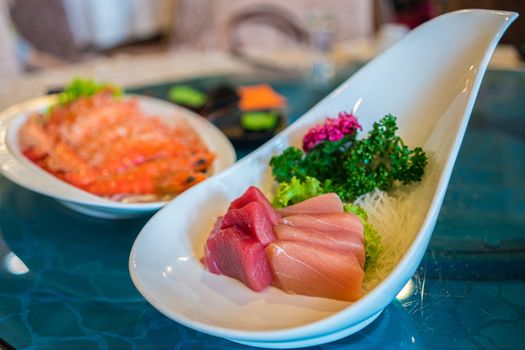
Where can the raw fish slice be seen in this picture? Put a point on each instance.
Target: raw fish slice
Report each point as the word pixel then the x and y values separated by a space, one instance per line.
pixel 338 241
pixel 327 222
pixel 216 226
pixel 325 203
pixel 307 269
pixel 232 253
pixel 253 194
pixel 253 220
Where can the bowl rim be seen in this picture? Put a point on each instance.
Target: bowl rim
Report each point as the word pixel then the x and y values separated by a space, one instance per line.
pixel 17 112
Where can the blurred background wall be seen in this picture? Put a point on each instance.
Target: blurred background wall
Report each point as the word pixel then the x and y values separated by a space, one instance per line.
pixel 35 34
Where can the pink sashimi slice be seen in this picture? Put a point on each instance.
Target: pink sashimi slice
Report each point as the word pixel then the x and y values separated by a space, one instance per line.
pixel 337 240
pixel 253 194
pixel 253 220
pixel 232 253
pixel 325 203
pixel 307 269
pixel 327 222
pixel 216 226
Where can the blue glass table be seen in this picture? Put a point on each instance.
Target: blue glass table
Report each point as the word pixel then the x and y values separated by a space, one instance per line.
pixel 64 281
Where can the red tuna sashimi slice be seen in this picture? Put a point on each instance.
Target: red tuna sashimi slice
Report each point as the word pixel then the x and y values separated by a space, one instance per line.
pixel 338 240
pixel 325 203
pixel 253 194
pixel 216 226
pixel 307 269
pixel 253 220
pixel 232 253
pixel 327 222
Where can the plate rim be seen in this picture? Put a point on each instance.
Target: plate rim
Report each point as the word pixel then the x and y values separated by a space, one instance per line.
pixel 20 110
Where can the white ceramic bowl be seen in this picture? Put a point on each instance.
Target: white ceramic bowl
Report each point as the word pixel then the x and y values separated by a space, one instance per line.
pixel 16 167
pixel 429 80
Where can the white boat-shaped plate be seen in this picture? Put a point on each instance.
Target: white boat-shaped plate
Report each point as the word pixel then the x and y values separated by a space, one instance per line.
pixel 16 167
pixel 429 80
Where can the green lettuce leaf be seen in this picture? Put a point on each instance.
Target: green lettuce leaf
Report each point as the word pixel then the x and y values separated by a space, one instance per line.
pixel 296 191
pixel 373 246
pixel 85 87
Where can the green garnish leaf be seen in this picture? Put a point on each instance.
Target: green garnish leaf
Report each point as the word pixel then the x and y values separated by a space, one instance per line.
pixel 381 159
pixel 187 96
pixel 373 246
pixel 79 87
pixel 356 209
pixel 353 167
pixel 296 191
pixel 288 165
pixel 259 121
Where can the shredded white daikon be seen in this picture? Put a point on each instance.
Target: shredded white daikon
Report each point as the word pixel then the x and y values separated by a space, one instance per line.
pixel 392 216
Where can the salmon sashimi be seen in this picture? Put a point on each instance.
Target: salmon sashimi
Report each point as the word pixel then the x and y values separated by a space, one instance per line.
pixel 327 222
pixel 308 269
pixel 109 147
pixel 325 203
pixel 338 241
pixel 232 253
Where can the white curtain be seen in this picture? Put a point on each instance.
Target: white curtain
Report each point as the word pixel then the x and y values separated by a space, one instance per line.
pixel 107 23
pixel 9 66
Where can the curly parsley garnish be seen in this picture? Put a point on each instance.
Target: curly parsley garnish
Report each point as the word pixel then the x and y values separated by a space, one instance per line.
pixel 78 88
pixel 351 167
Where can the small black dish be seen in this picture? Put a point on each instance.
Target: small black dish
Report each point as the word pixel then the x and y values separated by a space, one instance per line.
pixel 231 124
pixel 221 108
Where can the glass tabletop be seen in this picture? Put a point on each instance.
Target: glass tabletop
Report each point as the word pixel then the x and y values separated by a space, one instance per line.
pixel 64 280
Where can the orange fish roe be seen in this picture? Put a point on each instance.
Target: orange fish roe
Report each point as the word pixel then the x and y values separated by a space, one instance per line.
pixel 109 147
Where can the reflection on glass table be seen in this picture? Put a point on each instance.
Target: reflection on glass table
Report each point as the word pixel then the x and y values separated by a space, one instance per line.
pixel 64 281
